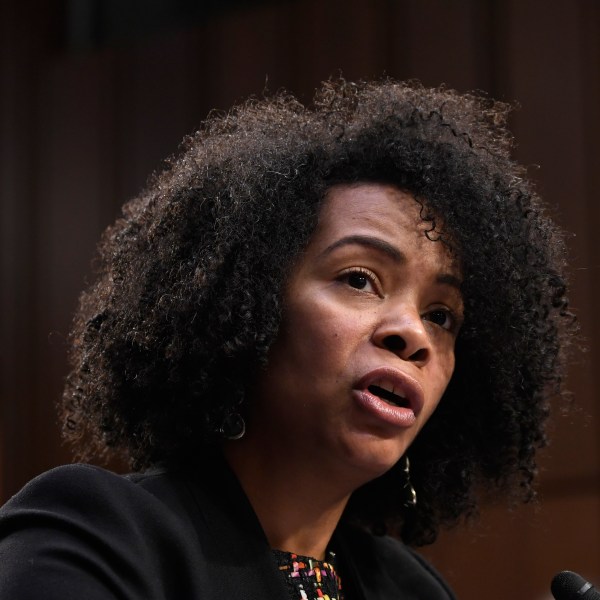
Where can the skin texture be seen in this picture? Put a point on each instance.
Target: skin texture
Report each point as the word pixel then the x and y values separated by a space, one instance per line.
pixel 371 293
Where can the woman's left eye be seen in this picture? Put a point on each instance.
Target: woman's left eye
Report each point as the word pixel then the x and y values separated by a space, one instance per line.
pixel 442 318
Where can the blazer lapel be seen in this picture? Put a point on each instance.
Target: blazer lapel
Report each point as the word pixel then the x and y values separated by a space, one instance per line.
pixel 240 564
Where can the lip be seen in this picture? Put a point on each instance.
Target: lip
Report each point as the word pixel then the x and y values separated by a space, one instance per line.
pixel 403 384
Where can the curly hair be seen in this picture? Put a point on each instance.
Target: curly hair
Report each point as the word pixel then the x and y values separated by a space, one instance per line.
pixel 188 294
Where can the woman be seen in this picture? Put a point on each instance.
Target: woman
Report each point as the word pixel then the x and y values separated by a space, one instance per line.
pixel 317 326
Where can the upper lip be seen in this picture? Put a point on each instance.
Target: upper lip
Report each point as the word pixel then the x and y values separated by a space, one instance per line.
pixel 396 381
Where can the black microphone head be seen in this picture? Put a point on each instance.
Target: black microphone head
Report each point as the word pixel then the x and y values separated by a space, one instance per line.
pixel 571 586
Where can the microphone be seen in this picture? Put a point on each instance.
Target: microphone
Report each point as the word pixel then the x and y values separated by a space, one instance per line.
pixel 570 586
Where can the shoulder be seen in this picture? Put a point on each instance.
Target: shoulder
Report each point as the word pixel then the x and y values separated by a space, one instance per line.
pixel 97 529
pixel 84 480
pixel 394 565
pixel 94 493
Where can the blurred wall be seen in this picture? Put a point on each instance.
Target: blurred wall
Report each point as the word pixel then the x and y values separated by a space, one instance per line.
pixel 84 121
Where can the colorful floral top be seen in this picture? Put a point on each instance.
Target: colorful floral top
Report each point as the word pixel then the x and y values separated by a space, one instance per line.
pixel 307 578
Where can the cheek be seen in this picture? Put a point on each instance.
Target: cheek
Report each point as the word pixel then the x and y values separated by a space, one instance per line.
pixel 306 362
pixel 444 370
pixel 438 379
pixel 318 332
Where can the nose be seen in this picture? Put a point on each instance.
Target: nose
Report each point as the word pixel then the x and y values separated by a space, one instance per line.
pixel 405 335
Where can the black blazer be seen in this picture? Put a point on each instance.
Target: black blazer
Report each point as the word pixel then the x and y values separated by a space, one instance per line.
pixel 80 532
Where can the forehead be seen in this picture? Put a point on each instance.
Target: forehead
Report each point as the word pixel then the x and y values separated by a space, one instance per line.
pixel 382 211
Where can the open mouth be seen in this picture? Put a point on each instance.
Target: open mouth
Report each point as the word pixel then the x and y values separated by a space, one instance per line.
pixel 389 397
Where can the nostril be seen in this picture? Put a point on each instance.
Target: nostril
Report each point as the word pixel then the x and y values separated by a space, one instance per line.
pixel 394 343
pixel 397 344
pixel 419 356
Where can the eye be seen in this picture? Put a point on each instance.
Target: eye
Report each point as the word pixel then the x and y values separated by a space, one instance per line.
pixel 360 279
pixel 442 318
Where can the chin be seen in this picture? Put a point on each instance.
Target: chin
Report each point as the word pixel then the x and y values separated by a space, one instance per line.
pixel 372 458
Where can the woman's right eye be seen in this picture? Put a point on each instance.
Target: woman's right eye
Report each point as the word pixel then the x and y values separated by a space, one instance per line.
pixel 360 279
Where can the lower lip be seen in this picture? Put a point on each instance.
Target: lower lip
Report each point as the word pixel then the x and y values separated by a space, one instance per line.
pixel 396 416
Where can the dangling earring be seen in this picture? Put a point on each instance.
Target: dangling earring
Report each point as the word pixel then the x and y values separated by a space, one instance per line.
pixel 410 495
pixel 233 427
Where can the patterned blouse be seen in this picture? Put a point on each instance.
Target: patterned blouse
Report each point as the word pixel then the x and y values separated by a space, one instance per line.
pixel 307 578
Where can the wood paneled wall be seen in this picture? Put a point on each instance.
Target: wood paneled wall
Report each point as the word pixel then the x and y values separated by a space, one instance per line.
pixel 81 131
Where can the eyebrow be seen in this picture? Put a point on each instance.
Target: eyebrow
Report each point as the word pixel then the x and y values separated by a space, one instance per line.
pixel 370 241
pixel 394 253
pixel 449 279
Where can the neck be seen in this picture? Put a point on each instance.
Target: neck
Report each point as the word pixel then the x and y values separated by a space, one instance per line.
pixel 297 505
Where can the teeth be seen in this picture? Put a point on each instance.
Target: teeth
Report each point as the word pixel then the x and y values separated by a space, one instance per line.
pixel 389 387
pixel 385 394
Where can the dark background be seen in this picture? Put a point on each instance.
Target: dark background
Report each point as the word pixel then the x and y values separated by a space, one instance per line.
pixel 95 93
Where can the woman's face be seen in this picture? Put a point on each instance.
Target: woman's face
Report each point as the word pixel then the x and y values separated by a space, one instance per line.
pixel 366 346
